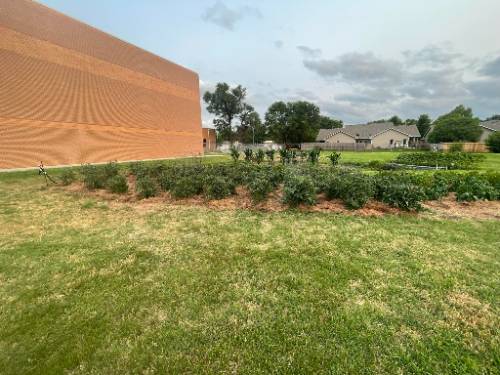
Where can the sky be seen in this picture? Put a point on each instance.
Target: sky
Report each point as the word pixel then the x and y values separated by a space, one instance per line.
pixel 358 60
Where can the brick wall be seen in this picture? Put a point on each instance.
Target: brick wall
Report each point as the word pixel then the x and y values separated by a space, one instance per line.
pixel 71 94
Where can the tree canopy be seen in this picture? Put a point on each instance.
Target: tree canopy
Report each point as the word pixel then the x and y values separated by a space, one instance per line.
pixel 459 125
pixel 423 124
pixel 396 120
pixel 293 122
pixel 326 122
pixel 250 128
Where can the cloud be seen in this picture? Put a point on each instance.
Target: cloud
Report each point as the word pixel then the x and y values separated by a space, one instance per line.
pixel 223 16
pixel 432 55
pixel 309 52
pixel 491 68
pixel 363 68
pixel 279 44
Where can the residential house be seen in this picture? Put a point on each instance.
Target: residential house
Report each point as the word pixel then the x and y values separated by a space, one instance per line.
pixel 488 128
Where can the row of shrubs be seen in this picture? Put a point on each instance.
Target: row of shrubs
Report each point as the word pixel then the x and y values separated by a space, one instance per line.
pixel 301 183
pixel 449 160
pixel 286 156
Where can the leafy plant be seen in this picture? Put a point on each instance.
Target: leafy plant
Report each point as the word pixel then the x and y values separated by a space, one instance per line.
pixel 355 189
pixel 218 187
pixel 93 177
pixel 110 169
pixel 185 187
pixel 313 155
pixel 262 183
pixel 453 160
pixel 67 177
pixel 334 158
pixel 398 190
pixel 235 154
pixel 248 154
pixel 117 184
pixel 473 188
pixel 146 187
pixel 259 156
pixel 299 189
pixel 456 147
pixel 270 155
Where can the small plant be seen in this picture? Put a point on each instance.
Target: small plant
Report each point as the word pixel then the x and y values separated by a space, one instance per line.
pixel 285 156
pixel 299 189
pixel 354 189
pixel 186 187
pixel 456 147
pixel 248 154
pixel 493 142
pixel 145 187
pixel 68 176
pixel 474 188
pixel 261 184
pixel 334 158
pixel 218 187
pixel 399 191
pixel 110 170
pixel 270 155
pixel 235 154
pixel 313 155
pixel 93 177
pixel 117 184
pixel 259 156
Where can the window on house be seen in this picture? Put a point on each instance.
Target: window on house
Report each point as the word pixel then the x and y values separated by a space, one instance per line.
pixel 391 142
pixel 404 142
pixel 204 142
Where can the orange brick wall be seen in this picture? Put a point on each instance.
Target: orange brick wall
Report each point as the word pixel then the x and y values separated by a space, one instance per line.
pixel 209 139
pixel 71 94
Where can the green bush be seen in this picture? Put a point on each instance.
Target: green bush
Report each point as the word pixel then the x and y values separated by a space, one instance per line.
pixel 262 182
pixel 235 154
pixel 93 177
pixel 299 189
pixel 399 191
pixel 354 189
pixel 117 184
pixel 334 158
pixel 270 155
pixel 248 154
pixel 493 142
pixel 259 156
pixel 474 187
pixel 185 187
pixel 313 155
pixel 110 170
pixel 218 187
pixel 287 156
pixel 456 147
pixel 68 176
pixel 453 160
pixel 146 187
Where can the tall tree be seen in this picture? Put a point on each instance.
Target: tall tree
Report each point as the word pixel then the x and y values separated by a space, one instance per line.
pixel 459 125
pixel 326 122
pixel 293 122
pixel 410 121
pixel 423 124
pixel 226 104
pixel 250 128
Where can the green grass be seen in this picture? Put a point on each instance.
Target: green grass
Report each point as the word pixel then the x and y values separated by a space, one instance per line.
pixel 93 287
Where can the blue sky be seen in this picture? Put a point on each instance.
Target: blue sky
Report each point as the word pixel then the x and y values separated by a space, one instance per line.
pixel 359 60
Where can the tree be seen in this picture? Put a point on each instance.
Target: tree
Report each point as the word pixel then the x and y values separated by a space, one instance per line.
pixel 457 126
pixel 293 122
pixel 396 120
pixel 423 124
pixel 493 142
pixel 494 117
pixel 326 122
pixel 226 103
pixel 410 121
pixel 250 128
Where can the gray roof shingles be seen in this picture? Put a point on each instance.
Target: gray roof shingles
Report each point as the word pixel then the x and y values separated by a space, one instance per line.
pixel 368 131
pixel 493 125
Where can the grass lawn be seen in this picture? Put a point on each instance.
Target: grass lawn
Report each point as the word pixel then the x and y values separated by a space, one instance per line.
pixel 95 287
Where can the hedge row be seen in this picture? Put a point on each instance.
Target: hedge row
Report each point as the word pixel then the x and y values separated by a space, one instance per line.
pixel 450 160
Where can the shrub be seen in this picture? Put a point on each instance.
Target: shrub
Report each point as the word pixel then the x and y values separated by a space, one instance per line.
pixel 68 176
pixel 262 183
pixel 167 179
pixel 146 187
pixel 117 184
pixel 110 170
pixel 354 189
pixel 248 154
pixel 299 189
pixel 493 142
pixel 270 155
pixel 456 147
pixel 473 188
pixel 399 191
pixel 313 155
pixel 218 187
pixel 259 156
pixel 185 187
pixel 235 154
pixel 288 156
pixel 93 177
pixel 334 158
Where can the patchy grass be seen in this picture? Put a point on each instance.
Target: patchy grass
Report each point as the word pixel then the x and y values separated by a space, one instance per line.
pixel 88 287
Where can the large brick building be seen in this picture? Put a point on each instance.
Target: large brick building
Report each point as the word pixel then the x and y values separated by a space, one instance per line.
pixel 71 94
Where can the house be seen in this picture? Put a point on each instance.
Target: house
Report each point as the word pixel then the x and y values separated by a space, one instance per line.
pixel 488 128
pixel 209 139
pixel 71 94
pixel 378 135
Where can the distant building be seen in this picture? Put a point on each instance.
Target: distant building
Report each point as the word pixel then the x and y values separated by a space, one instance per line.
pixel 209 139
pixel 379 135
pixel 72 94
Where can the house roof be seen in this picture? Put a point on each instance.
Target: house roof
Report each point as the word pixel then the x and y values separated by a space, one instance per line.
pixel 492 125
pixel 368 131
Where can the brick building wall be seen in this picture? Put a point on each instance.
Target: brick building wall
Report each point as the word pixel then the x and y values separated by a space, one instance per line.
pixel 209 139
pixel 71 94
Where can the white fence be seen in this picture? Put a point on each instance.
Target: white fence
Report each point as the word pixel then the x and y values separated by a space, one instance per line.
pixel 337 146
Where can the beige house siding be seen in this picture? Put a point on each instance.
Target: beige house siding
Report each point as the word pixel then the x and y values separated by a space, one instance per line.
pixel 341 138
pixel 383 140
pixel 485 135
